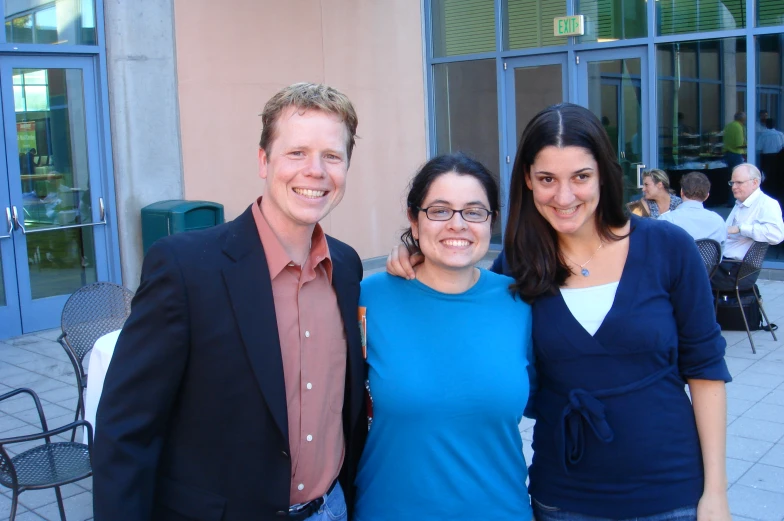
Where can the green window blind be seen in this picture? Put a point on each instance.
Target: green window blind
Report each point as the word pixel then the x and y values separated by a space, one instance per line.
pixel 770 12
pixel 468 26
pixel 531 23
pixel 690 16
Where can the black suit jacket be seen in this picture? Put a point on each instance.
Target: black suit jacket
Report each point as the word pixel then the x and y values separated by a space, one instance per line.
pixel 192 422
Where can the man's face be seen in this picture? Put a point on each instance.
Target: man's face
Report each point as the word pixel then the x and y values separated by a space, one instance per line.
pixel 743 186
pixel 742 119
pixel 305 169
pixel 763 117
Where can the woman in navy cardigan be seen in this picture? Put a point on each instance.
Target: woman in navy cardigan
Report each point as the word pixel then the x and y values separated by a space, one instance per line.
pixel 622 320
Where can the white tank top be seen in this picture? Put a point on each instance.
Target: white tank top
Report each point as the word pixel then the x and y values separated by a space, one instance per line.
pixel 590 305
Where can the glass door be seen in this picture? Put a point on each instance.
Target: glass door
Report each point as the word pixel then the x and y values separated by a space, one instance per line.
pixel 56 197
pixel 9 299
pixel 613 85
pixel 532 83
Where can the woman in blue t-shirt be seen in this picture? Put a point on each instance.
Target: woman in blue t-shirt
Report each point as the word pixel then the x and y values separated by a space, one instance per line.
pixel 623 319
pixel 448 355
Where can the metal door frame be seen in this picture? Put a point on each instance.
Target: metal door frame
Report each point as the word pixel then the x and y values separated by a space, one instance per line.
pixel 45 313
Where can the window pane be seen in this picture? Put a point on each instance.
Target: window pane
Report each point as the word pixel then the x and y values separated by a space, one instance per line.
pixel 699 94
pixel 529 23
pixel 466 112
pixel 70 22
pixel 770 12
pixel 463 27
pixel 608 20
pixel 691 16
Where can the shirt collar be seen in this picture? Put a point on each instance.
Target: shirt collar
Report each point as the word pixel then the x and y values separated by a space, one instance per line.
pixel 750 199
pixel 690 204
pixel 277 258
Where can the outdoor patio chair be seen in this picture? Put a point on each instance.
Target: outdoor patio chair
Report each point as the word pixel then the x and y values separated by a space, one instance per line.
pixel 47 465
pixel 710 251
pixel 750 267
pixel 91 312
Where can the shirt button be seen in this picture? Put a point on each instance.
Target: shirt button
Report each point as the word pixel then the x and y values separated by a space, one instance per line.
pixel 300 487
pixel 309 437
pixel 307 334
pixel 309 386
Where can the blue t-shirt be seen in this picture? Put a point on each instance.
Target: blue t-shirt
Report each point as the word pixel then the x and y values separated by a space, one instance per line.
pixel 449 379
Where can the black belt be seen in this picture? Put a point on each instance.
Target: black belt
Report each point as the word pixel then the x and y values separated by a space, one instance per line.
pixel 306 510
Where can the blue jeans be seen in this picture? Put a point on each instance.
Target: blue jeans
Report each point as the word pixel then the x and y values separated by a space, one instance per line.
pixel 334 507
pixel 546 513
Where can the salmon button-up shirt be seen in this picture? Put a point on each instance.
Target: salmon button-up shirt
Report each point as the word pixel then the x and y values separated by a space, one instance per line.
pixel 313 348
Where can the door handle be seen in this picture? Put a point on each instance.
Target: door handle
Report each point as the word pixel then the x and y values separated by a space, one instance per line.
pixel 101 211
pixel 17 224
pixel 640 167
pixel 9 222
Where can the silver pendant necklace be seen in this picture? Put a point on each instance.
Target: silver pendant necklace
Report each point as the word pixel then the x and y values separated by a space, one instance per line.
pixel 583 270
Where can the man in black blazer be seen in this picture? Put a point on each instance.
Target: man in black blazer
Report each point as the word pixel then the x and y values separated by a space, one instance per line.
pixel 219 403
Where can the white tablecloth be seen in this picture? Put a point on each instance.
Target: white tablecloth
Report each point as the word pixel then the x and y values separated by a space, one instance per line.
pixel 100 357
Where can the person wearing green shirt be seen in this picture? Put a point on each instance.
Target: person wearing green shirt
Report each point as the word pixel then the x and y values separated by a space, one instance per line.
pixel 734 145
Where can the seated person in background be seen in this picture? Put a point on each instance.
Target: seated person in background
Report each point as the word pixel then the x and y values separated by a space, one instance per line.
pixel 657 197
pixel 756 217
pixel 770 141
pixel 692 216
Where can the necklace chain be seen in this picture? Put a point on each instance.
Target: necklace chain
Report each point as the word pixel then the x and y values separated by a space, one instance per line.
pixel 583 271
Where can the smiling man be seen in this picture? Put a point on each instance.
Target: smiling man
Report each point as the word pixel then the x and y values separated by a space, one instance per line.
pixel 236 388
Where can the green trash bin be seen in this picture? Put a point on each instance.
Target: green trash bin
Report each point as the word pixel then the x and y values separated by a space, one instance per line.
pixel 175 216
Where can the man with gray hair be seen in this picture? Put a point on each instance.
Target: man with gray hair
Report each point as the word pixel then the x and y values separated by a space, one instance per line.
pixel 692 216
pixel 756 217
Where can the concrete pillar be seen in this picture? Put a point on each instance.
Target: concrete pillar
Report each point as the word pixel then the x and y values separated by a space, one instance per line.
pixel 144 111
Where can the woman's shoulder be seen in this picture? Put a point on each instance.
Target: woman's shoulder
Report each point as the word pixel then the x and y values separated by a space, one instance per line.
pixel 675 201
pixel 497 286
pixel 380 284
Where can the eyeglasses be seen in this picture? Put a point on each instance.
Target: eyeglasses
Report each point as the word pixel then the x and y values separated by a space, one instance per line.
pixel 731 183
pixel 443 213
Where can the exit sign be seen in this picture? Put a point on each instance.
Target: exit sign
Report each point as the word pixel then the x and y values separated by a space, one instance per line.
pixel 569 25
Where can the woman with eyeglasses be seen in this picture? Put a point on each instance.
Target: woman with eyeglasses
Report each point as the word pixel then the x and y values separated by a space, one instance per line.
pixel 623 320
pixel 448 356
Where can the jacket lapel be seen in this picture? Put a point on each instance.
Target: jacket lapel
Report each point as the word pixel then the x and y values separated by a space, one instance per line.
pixel 346 286
pixel 250 291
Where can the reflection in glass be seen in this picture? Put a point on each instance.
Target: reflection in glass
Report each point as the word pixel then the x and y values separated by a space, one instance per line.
pixel 55 179
pixel 609 20
pixel 770 12
pixel 69 22
pixel 462 27
pixel 466 113
pixel 701 90
pixel 615 96
pixel 529 23
pixel 770 102
pixel 536 88
pixel 691 16
pixel 2 285
pixel 60 261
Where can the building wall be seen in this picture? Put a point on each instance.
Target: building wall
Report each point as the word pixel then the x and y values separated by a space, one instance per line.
pixel 142 76
pixel 232 59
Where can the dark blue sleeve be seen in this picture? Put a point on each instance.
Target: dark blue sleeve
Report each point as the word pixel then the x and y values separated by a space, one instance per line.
pixel 700 344
pixel 499 265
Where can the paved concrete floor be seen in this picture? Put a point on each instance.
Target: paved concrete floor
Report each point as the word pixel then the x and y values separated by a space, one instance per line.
pixel 755 435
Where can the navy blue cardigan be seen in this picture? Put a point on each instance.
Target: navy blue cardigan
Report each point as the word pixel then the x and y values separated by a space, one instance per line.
pixel 615 433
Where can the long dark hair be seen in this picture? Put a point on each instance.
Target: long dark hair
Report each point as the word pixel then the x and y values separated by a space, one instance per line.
pixel 531 244
pixel 460 164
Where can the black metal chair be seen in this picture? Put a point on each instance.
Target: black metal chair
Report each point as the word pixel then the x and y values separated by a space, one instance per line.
pixel 710 251
pixel 48 465
pixel 749 266
pixel 91 312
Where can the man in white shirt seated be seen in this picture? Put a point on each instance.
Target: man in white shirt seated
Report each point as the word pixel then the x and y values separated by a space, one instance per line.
pixel 770 141
pixel 756 217
pixel 692 216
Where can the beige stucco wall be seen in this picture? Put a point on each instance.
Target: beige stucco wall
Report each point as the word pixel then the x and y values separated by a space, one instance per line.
pixel 231 59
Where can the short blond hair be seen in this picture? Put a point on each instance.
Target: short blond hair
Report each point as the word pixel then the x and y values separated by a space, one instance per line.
pixel 308 96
